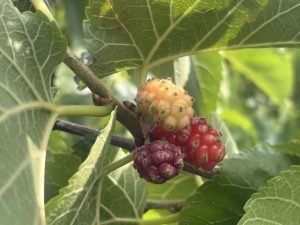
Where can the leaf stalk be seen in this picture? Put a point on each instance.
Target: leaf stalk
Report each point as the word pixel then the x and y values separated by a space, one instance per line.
pixel 117 164
pixel 84 110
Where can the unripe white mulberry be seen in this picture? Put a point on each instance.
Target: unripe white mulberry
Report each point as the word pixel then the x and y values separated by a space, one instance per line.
pixel 165 103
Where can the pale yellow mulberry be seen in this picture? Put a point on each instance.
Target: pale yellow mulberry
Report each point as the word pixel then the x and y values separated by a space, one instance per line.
pixel 165 103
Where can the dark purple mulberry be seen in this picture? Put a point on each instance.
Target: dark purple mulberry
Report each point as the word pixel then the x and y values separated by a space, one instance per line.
pixel 158 161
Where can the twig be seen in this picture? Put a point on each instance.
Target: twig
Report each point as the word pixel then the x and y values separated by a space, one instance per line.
pixel 122 142
pixel 80 130
pixel 125 116
pixel 174 205
pixel 74 128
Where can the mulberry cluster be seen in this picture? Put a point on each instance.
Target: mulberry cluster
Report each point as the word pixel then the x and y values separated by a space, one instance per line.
pixel 178 135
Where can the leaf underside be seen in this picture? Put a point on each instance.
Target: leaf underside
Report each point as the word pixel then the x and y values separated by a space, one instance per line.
pixel 276 203
pixel 30 47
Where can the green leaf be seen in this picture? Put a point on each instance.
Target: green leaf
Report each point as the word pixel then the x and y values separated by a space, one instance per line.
pixel 124 197
pixel 79 203
pixel 292 148
pixel 227 138
pixel 276 203
pixel 59 168
pixel 61 164
pixel 148 33
pixel 74 14
pixel 30 47
pixel 237 118
pixel 23 5
pixel 179 187
pixel 185 76
pixel 59 143
pixel 296 68
pixel 165 70
pixel 209 73
pixel 268 69
pixel 221 200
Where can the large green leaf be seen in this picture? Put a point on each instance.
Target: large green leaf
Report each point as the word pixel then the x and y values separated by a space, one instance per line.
pixel 30 47
pixel 79 202
pixel 268 69
pixel 276 203
pixel 221 200
pixel 209 73
pixel 124 34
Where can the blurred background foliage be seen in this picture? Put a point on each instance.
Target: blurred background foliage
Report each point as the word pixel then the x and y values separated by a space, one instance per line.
pixel 255 92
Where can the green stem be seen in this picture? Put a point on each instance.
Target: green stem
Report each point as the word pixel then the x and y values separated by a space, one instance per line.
pixel 84 110
pixel 41 6
pixel 116 165
pixel 162 220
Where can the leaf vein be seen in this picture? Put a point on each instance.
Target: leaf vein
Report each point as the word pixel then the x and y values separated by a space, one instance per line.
pixel 126 195
pixel 209 33
pixel 23 75
pixel 267 22
pixel 127 31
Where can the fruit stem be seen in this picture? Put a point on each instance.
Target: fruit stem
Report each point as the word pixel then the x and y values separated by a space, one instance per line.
pixel 41 6
pixel 117 164
pixel 162 220
pixel 84 110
